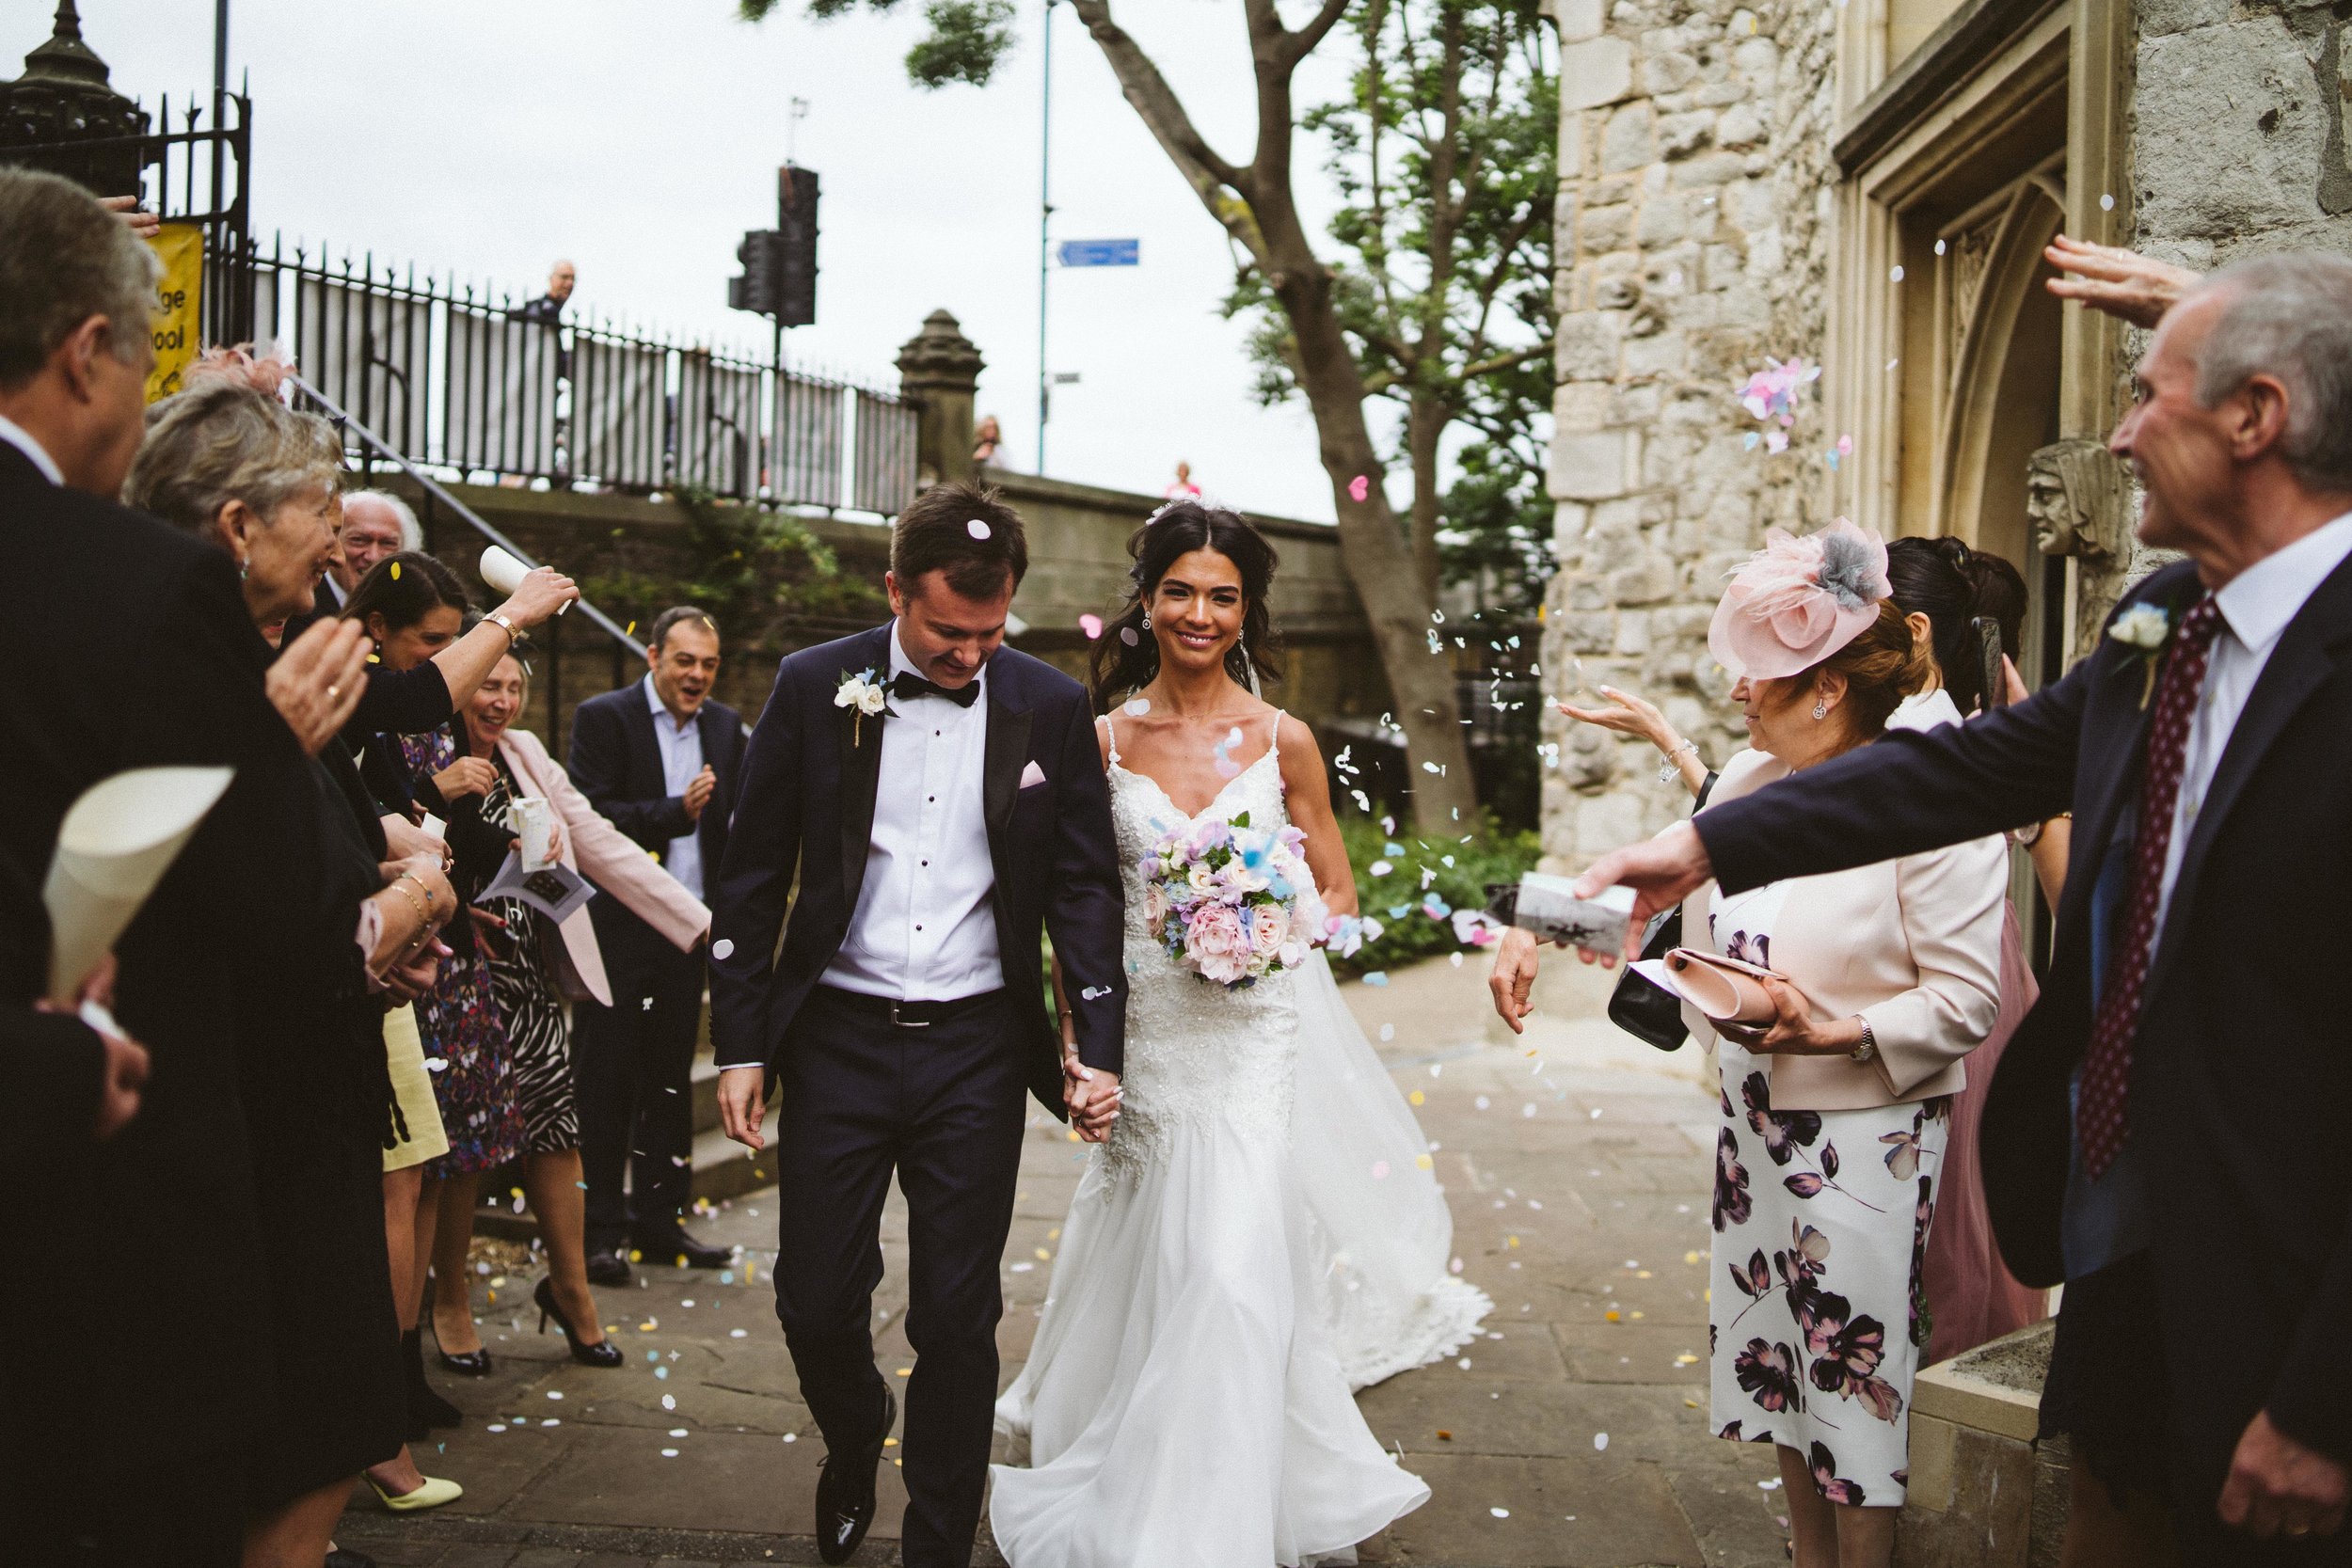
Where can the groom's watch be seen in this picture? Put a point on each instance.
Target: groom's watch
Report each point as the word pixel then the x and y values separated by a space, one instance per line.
pixel 1868 1050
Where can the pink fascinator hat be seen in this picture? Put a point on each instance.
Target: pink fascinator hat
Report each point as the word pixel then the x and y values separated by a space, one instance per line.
pixel 1797 601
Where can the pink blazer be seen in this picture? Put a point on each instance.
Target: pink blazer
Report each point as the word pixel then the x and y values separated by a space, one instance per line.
pixel 1914 945
pixel 608 858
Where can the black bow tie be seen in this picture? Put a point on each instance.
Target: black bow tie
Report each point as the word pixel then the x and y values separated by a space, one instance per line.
pixel 906 683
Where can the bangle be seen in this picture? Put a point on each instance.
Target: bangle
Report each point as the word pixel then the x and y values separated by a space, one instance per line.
pixel 1669 768
pixel 412 877
pixel 497 618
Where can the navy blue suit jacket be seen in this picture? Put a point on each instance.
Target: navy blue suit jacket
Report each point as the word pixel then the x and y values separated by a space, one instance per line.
pixel 616 762
pixel 807 810
pixel 2243 1067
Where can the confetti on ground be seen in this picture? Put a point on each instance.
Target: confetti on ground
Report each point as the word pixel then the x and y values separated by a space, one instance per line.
pixel 1768 1485
pixel 1499 1513
pixel 1377 977
pixel 1601 1440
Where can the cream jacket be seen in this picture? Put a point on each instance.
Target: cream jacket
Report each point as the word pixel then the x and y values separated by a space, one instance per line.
pixel 608 858
pixel 1913 945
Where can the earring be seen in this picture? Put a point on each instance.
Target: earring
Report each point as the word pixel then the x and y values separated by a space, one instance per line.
pixel 1147 620
pixel 1820 709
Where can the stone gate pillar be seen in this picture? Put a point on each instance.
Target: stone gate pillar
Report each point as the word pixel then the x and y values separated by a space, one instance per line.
pixel 939 370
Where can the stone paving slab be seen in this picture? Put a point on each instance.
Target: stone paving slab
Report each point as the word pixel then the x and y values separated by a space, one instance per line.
pixel 1576 1163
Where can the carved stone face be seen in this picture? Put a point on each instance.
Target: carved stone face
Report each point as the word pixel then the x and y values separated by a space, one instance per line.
pixel 2057 525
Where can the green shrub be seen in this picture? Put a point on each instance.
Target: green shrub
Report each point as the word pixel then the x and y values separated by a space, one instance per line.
pixel 1497 856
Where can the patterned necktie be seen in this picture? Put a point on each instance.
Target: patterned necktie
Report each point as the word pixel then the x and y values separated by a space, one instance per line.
pixel 2100 1124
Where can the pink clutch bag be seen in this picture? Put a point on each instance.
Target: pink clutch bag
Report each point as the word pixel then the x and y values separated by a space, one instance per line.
pixel 1725 989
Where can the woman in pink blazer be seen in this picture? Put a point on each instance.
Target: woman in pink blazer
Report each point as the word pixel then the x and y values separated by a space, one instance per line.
pixel 538 968
pixel 1835 1116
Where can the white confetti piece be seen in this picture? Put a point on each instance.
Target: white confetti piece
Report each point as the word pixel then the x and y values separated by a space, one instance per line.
pixel 737 1333
pixel 1768 1485
pixel 1601 1440
pixel 1499 1513
pixel 978 529
pixel 723 948
pixel 1023 1268
pixel 668 1454
pixel 1127 634
pixel 2106 204
pixel 1895 275
pixel 678 1432
pixel 669 1402
pixel 551 1422
pixel 558 1393
pixel 792 1436
pixel 1138 706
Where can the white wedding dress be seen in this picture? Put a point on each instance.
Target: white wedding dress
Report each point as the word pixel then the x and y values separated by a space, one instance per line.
pixel 1232 1267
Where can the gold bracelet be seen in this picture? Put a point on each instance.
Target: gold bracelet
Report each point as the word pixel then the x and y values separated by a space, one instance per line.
pixel 424 919
pixel 412 877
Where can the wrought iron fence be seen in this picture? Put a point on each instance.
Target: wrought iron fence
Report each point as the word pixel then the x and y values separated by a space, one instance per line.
pixel 473 388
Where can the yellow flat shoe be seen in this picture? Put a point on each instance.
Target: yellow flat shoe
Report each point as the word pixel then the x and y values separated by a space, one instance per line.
pixel 433 1494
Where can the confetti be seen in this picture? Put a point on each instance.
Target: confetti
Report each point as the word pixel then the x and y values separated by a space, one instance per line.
pixel 1137 707
pixel 1379 1170
pixel 723 948
pixel 1377 977
pixel 1768 1485
pixel 396 571
pixel 668 1454
pixel 2106 204
pixel 678 1432
pixel 1499 1513
pixel 1388 1031
pixel 1418 1097
pixel 1600 1441
pixel 1939 248
pixel 737 1333
pixel 1091 624
pixel 1444 1437
pixel 495 1425
pixel 1895 275
pixel 1359 487
pixel 1127 634
pixel 977 529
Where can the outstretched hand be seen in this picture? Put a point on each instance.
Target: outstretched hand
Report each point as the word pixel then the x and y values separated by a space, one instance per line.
pixel 2124 283
pixel 1662 872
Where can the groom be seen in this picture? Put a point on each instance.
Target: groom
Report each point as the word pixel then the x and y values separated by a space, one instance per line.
pixel 933 829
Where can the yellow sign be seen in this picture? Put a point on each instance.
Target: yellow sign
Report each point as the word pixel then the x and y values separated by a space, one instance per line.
pixel 179 303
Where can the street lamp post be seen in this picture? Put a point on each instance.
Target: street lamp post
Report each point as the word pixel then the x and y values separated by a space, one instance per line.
pixel 1044 228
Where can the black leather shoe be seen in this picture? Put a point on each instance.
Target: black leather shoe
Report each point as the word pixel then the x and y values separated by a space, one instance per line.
pixel 844 1490
pixel 683 1251
pixel 608 1268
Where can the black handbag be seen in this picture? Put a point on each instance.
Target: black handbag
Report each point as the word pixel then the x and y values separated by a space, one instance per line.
pixel 1650 1013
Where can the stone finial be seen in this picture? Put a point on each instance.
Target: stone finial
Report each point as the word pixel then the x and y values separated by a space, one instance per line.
pixel 63 98
pixel 65 57
pixel 2077 500
pixel 939 370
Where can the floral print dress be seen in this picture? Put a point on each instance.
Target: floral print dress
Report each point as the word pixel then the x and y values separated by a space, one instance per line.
pixel 1816 1317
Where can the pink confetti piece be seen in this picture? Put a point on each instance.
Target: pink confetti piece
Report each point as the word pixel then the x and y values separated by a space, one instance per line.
pixel 1091 624
pixel 1359 487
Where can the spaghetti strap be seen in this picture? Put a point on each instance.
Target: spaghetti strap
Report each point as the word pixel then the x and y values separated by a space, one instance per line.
pixel 1112 731
pixel 1274 736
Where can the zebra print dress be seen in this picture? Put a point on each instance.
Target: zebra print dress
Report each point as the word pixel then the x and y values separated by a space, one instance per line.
pixel 522 978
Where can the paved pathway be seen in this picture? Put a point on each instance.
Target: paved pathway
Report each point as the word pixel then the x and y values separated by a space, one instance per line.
pixel 1575 1433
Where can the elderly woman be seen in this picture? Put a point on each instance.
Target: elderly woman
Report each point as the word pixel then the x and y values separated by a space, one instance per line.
pixel 537 969
pixel 234 465
pixel 1942 587
pixel 1837 1110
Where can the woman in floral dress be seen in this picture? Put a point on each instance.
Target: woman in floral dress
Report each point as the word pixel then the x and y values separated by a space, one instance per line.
pixel 1836 1116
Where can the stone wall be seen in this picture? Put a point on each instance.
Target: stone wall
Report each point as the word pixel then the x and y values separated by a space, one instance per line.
pixel 1693 242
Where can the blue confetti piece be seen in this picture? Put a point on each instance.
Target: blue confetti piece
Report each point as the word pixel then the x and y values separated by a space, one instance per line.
pixel 1392 848
pixel 726 1277
pixel 1748 442
pixel 1377 977
pixel 661 1371
pixel 1398 911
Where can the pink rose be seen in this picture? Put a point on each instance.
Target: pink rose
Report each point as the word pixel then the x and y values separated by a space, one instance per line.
pixel 1217 945
pixel 1270 927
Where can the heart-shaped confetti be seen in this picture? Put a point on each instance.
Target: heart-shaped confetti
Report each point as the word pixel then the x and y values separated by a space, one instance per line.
pixel 1359 487
pixel 1091 624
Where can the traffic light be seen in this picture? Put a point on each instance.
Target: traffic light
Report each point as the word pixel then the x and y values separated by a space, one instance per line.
pixel 796 245
pixel 758 289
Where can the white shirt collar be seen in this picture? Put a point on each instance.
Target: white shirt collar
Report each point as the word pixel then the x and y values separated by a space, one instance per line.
pixel 22 439
pixel 898 660
pixel 2260 601
pixel 660 714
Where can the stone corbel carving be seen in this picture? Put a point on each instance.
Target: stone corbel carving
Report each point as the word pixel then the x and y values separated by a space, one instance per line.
pixel 2078 501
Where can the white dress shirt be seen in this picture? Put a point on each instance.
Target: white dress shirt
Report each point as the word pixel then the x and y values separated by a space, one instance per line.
pixel 22 439
pixel 925 927
pixel 681 743
pixel 2256 606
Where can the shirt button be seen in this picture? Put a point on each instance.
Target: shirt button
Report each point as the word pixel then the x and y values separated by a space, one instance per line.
pixel 918 925
pixel 925 862
pixel 932 799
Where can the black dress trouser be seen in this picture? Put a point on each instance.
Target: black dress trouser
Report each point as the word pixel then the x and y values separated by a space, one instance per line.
pixel 633 1066
pixel 942 1105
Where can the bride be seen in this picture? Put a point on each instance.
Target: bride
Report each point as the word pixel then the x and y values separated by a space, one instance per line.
pixel 1260 1234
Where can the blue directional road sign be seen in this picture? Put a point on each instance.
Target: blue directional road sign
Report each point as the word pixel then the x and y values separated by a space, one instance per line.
pixel 1100 253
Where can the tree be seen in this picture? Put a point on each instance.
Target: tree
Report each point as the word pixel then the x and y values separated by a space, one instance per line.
pixel 1257 205
pixel 1443 154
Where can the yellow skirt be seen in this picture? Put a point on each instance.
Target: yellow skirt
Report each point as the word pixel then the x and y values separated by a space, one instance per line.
pixel 417 1132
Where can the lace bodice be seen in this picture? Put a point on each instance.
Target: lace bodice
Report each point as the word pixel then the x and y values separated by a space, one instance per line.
pixel 1194 1048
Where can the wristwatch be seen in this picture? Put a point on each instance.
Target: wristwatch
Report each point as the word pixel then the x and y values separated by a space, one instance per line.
pixel 504 624
pixel 1868 1050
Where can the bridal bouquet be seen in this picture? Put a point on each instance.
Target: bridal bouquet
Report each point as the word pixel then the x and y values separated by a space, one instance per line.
pixel 1230 902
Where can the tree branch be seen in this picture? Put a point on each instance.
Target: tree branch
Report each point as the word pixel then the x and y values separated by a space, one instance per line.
pixel 1504 361
pixel 1301 42
pixel 1227 191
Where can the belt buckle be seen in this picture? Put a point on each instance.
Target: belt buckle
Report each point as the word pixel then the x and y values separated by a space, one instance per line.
pixel 906 1023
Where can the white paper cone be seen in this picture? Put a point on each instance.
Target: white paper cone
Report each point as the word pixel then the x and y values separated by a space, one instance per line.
pixel 114 845
pixel 504 571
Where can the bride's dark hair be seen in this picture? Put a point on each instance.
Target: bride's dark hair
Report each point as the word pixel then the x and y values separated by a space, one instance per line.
pixel 1121 665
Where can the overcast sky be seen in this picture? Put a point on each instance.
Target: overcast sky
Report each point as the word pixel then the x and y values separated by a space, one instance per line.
pixel 640 137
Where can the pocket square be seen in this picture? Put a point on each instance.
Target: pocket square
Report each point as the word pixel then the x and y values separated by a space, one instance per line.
pixel 1032 776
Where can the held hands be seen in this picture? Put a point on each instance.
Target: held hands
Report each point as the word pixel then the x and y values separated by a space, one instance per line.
pixel 317 681
pixel 2123 283
pixel 743 1103
pixel 408 979
pixel 2277 1487
pixel 699 792
pixel 543 590
pixel 465 776
pixel 1092 1095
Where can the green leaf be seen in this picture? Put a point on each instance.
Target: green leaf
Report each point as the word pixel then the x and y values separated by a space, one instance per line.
pixel 968 40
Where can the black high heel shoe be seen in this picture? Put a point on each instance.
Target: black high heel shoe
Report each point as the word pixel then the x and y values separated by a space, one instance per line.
pixel 465 1363
pixel 604 1352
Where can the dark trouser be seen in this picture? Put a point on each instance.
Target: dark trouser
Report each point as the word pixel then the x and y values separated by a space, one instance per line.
pixel 942 1105
pixel 635 1063
pixel 2142 1434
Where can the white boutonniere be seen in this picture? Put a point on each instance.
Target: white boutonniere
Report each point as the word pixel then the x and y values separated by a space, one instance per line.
pixel 865 698
pixel 2148 628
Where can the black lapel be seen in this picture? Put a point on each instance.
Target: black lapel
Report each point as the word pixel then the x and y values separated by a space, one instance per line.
pixel 861 761
pixel 2115 726
pixel 2298 666
pixel 1007 753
